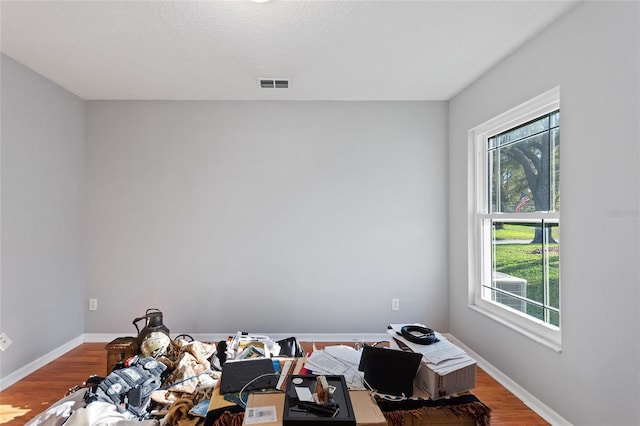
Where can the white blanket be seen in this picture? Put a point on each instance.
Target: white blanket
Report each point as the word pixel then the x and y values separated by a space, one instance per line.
pixel 73 411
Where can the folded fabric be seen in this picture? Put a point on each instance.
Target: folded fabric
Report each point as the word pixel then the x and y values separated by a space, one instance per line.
pixel 100 413
pixel 72 410
pixel 179 414
pixel 60 411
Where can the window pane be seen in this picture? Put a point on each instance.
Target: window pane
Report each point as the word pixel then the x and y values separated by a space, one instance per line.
pixel 536 126
pixel 509 298
pixel 525 268
pixel 524 167
pixel 517 257
pixel 520 176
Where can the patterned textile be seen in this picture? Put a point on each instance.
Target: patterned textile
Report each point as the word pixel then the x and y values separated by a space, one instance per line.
pixel 466 404
pixel 394 411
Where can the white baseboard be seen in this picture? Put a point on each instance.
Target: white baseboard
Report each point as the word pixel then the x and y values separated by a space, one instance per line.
pixel 521 393
pixel 23 372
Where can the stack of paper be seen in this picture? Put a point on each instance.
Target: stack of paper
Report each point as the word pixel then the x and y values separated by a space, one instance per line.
pixel 337 360
pixel 442 357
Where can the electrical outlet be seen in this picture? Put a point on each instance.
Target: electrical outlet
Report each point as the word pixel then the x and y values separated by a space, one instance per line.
pixel 4 342
pixel 395 304
pixel 93 304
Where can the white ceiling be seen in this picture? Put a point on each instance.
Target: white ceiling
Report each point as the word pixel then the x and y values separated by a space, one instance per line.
pixel 217 50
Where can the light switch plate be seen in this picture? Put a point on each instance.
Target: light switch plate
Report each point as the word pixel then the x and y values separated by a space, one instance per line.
pixel 395 304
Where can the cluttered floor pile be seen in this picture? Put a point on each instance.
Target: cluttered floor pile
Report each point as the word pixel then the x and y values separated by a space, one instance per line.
pixel 183 382
pixel 160 388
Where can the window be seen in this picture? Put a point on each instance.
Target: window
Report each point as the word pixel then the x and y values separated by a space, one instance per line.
pixel 516 222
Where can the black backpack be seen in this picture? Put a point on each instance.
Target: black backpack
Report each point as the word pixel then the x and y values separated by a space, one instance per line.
pixel 130 388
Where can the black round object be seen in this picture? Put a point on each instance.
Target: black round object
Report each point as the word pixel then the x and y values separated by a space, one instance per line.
pixel 426 335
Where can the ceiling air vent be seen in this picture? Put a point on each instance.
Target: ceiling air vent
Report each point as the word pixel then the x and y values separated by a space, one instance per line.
pixel 273 83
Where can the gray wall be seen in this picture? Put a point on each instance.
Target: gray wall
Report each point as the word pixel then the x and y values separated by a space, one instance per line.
pixel 267 216
pixel 593 55
pixel 43 211
pixel 245 215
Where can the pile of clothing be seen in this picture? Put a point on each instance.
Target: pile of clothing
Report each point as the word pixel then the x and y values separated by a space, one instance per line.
pixel 161 390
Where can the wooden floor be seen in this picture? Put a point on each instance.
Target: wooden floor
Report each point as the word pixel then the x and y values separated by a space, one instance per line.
pixel 24 400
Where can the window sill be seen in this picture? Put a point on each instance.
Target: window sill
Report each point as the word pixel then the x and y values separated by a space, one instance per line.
pixel 547 337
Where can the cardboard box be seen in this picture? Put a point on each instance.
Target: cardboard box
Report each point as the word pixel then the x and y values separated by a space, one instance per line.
pixel 366 410
pixel 441 385
pixel 259 401
pixel 444 370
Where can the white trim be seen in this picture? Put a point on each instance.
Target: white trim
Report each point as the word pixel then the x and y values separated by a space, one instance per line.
pixel 34 365
pixel 521 393
pixel 526 325
pixel 520 323
pixel 526 111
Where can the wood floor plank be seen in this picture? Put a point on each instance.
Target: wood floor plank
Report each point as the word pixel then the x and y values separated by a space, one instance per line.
pixel 24 400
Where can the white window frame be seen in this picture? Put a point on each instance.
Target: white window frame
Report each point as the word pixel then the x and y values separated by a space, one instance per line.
pixel 535 329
